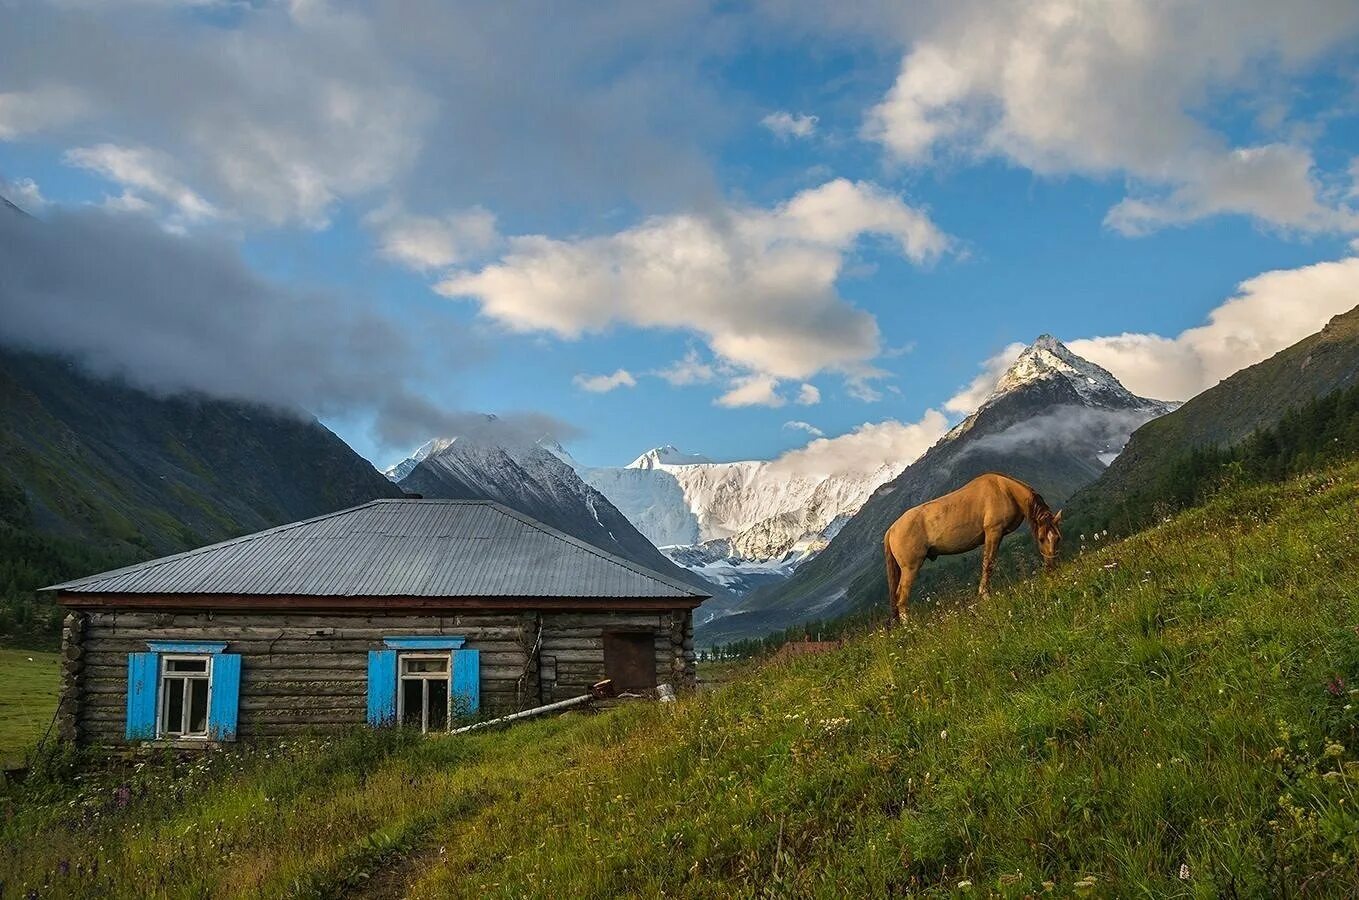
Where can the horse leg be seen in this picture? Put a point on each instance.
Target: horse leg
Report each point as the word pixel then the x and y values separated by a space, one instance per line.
pixel 893 574
pixel 903 594
pixel 993 536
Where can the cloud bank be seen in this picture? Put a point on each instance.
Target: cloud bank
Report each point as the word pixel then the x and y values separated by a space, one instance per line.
pixel 173 313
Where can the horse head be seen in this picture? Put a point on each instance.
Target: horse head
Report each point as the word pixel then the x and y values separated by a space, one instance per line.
pixel 1047 532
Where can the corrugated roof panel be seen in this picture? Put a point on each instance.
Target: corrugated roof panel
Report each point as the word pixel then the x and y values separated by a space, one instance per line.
pixel 415 548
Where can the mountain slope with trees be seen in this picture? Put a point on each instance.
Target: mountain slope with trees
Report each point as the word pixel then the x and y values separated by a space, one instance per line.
pixel 1157 467
pixel 94 474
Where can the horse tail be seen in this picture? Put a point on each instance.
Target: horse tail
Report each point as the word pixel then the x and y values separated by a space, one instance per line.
pixel 893 573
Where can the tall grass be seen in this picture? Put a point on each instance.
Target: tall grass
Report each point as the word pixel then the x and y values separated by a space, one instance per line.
pixel 1174 715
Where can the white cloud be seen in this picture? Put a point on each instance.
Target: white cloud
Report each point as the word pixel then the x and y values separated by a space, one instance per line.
pixel 273 119
pixel 1063 86
pixel 798 425
pixel 786 125
pixel 808 395
pixel 869 447
pixel 752 390
pixel 758 284
pixel 1268 313
pixel 434 242
pixel 141 171
pixel 602 384
pixel 969 398
pixel 23 193
pixel 26 112
pixel 689 370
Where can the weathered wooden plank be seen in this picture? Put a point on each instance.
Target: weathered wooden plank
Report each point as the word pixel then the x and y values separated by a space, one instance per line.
pixel 98 644
pixel 236 632
pixel 149 619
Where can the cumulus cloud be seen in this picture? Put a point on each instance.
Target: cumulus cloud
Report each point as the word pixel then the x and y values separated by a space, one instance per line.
pixel 274 119
pixel 424 243
pixel 798 425
pixel 141 171
pixel 786 125
pixel 50 105
pixel 752 390
pixel 868 448
pixel 692 369
pixel 1267 313
pixel 975 393
pixel 808 395
pixel 23 193
pixel 758 284
pixel 1061 86
pixel 602 384
pixel 175 313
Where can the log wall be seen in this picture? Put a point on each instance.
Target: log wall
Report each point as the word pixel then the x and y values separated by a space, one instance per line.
pixel 310 669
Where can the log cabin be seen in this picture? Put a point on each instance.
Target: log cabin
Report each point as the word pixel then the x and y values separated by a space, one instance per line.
pixel 410 612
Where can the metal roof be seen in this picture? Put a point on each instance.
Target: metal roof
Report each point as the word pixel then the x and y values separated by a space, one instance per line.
pixel 397 548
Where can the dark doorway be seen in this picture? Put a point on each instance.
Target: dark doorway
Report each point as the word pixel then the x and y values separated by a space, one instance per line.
pixel 630 660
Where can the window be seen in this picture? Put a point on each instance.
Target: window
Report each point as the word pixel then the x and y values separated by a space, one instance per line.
pixel 423 697
pixel 184 696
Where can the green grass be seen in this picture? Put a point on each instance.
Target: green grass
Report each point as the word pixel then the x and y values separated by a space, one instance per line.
pixel 1181 702
pixel 29 681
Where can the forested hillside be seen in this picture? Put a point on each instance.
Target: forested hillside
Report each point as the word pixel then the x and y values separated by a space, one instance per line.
pixel 94 474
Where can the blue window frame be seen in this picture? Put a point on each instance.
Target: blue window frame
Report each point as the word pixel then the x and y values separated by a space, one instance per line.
pixel 408 679
pixel 183 690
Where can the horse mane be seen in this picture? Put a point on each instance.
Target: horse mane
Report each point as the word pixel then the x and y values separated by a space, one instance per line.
pixel 1039 511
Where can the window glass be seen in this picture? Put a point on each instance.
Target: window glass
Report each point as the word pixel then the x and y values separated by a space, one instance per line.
pixel 186 665
pixel 437 699
pixel 173 719
pixel 412 698
pixel 198 706
pixel 418 664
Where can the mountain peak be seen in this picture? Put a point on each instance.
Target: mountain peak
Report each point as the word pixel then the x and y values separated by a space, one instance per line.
pixel 1048 357
pixel 668 455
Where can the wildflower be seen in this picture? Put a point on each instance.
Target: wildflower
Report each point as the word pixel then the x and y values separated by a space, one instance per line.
pixel 1184 871
pixel 964 885
pixel 1336 686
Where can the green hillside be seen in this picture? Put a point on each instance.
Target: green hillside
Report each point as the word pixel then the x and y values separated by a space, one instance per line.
pixel 1223 416
pixel 1174 715
pixel 96 474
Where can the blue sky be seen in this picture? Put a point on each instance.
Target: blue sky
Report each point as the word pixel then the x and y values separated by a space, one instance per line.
pixel 524 200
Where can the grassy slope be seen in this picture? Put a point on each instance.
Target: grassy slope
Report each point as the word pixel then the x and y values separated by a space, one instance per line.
pixel 1180 699
pixel 28 695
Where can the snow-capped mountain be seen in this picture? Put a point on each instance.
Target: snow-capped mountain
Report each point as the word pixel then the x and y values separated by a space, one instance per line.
pixel 1054 420
pixel 738 523
pixel 538 480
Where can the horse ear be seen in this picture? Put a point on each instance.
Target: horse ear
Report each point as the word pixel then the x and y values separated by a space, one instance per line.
pixel 1057 519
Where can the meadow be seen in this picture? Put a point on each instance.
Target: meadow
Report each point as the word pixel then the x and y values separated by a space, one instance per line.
pixel 1173 715
pixel 28 697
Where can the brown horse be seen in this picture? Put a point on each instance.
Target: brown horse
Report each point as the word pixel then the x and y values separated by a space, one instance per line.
pixel 980 512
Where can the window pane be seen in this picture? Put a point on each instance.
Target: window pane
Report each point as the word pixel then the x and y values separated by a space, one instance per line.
pixel 438 704
pixel 186 665
pixel 172 719
pixel 198 706
pixel 413 665
pixel 410 702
